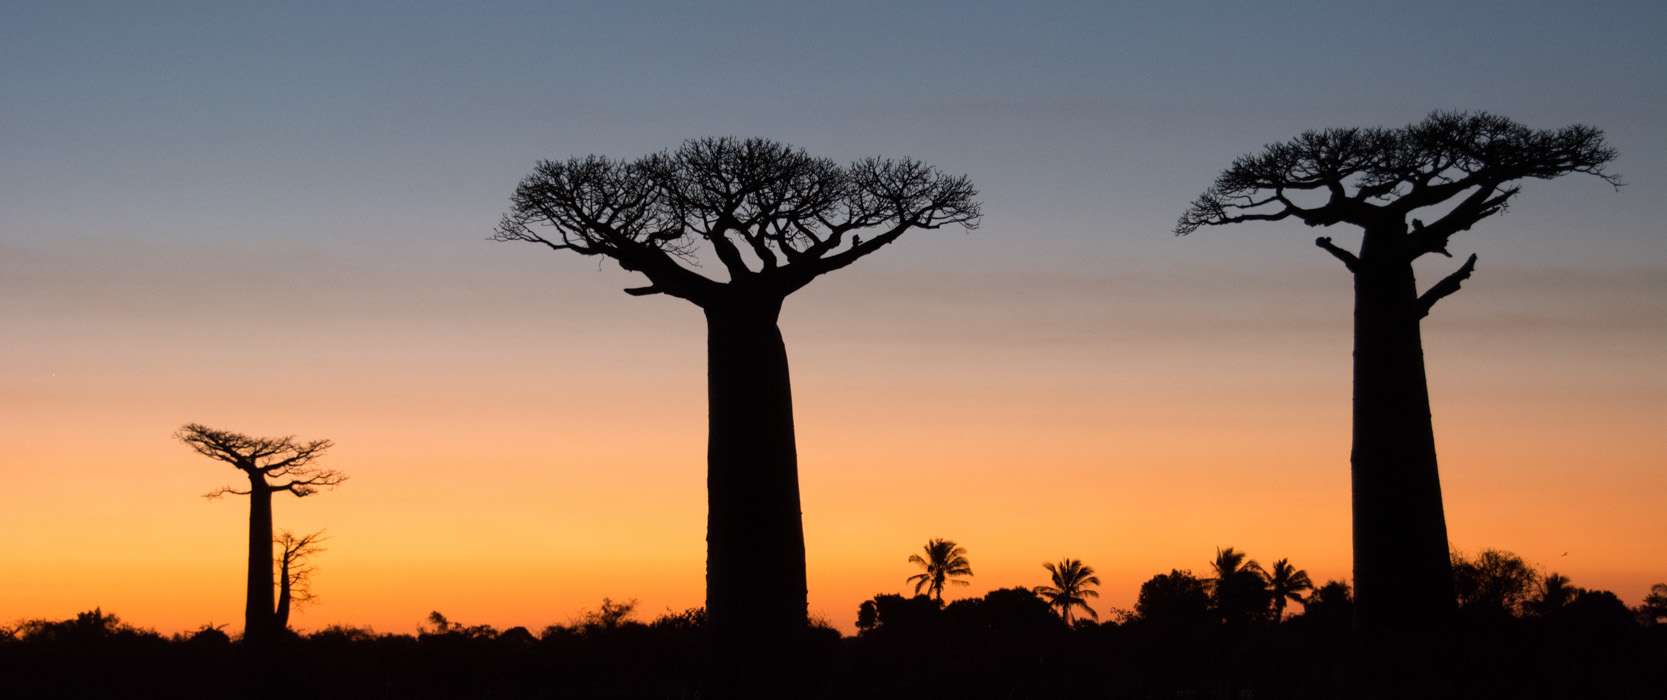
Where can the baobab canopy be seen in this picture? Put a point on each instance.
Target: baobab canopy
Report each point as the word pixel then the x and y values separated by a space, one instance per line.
pixel 1369 175
pixel 774 216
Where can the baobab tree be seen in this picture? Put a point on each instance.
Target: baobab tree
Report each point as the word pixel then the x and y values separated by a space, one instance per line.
pixel 271 465
pixel 295 572
pixel 775 218
pixel 1463 167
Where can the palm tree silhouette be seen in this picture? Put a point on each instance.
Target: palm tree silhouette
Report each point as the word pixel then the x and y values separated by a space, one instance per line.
pixel 944 561
pixel 1555 593
pixel 1240 587
pixel 1287 583
pixel 1231 563
pixel 1072 581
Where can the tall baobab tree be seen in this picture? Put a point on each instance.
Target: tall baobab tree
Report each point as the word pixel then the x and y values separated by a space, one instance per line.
pixel 1462 168
pixel 295 572
pixel 945 563
pixel 1073 584
pixel 271 465
pixel 775 218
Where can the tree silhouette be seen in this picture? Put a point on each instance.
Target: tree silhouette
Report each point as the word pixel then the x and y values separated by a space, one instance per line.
pixel 1174 599
pixel 945 562
pixel 1072 587
pixel 272 465
pixel 775 218
pixel 1375 179
pixel 295 572
pixel 1495 582
pixel 1555 593
pixel 1654 609
pixel 1239 590
pixel 867 616
pixel 1286 583
pixel 894 615
pixel 609 617
pixel 1331 604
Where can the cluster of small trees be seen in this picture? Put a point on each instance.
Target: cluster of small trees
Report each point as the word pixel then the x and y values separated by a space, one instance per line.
pixel 1241 592
pixel 1496 583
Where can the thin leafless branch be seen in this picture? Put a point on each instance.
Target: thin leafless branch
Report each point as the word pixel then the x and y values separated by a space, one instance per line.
pixel 774 216
pixel 1375 178
pixel 1446 286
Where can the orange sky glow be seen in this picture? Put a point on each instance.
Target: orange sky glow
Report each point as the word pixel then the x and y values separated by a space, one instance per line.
pixel 516 455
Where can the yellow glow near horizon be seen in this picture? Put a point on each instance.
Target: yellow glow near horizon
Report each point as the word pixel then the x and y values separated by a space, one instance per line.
pixel 513 469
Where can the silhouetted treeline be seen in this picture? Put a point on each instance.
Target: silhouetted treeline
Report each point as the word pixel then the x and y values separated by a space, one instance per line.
pixel 1519 634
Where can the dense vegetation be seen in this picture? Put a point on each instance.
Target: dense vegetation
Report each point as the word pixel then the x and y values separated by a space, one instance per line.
pixel 1519 634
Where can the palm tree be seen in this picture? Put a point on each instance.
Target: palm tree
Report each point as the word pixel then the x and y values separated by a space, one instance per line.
pixel 1287 583
pixel 1240 588
pixel 1071 588
pixel 1231 563
pixel 1555 593
pixel 944 561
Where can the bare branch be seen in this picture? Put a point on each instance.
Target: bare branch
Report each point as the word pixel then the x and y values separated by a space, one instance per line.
pixel 312 483
pixel 295 567
pixel 1375 178
pixel 752 201
pixel 598 206
pixel 1481 204
pixel 264 458
pixel 905 193
pixel 1349 259
pixel 1446 286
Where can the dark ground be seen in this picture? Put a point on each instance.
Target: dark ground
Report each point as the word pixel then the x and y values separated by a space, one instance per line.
pixel 998 647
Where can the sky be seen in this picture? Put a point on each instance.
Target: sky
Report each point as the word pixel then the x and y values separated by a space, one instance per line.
pixel 274 219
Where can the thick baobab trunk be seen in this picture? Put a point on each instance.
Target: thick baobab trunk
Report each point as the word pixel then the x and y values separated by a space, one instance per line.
pixel 755 557
pixel 1403 577
pixel 257 608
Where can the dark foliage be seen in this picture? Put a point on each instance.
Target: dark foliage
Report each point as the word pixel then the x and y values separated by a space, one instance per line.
pixel 1175 599
pixel 1005 644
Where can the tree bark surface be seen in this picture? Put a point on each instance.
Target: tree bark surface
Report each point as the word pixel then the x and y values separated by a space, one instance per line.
pixel 280 619
pixel 755 566
pixel 257 609
pixel 1402 571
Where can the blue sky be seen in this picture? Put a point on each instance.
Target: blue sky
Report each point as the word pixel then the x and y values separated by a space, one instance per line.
pixel 309 121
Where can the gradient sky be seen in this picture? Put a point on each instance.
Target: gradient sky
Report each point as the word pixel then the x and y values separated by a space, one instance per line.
pixel 274 220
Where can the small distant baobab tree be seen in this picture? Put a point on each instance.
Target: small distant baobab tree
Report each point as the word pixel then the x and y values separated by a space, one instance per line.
pixel 295 572
pixel 1073 585
pixel 944 563
pixel 775 218
pixel 1463 168
pixel 271 465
